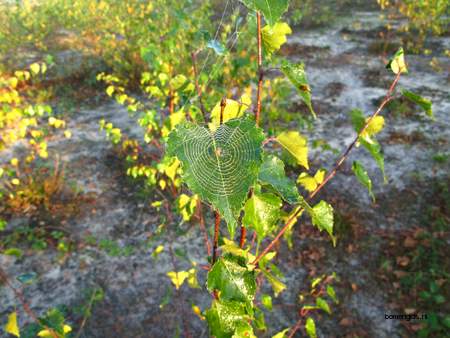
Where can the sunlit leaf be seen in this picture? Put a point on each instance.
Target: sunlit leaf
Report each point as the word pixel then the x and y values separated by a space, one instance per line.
pixel 224 317
pixel 178 278
pixel 310 327
pixel 273 37
pixel 266 300
pixel 281 334
pixel 262 212
pixel 233 109
pixel 322 304
pixel 11 326
pixel 296 145
pixel 232 280
pixel 397 62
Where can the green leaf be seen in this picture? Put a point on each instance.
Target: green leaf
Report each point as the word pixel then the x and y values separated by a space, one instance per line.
pixel 277 285
pixel 271 9
pixel 272 172
pixel 3 223
pixel 297 75
pixel 358 119
pixel 363 177
pixel 332 294
pixel 296 145
pixel 374 148
pixel 219 166
pixel 244 330
pixel 224 317
pixel 13 252
pixel 232 280
pixel 310 328
pixel 397 62
pixel 273 37
pixel 322 304
pixel 322 217
pixel 424 103
pixel 262 212
pixel 266 300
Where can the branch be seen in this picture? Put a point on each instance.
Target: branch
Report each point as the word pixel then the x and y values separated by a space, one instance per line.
pixel 333 172
pixel 216 237
pixel 19 295
pixel 202 227
pixel 260 70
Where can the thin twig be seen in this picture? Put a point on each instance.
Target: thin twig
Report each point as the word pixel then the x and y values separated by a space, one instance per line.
pixel 223 104
pixel 333 172
pixel 87 313
pixel 197 86
pixel 202 227
pixel 260 69
pixel 296 327
pixel 19 295
pixel 216 236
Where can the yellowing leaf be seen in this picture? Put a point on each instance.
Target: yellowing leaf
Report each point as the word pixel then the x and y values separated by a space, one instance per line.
pixel 310 183
pixel 47 334
pixel 35 68
pixel 233 109
pixel 110 90
pixel 397 64
pixel 375 125
pixel 273 37
pixel 178 278
pixel 67 134
pixel 296 145
pixel 15 181
pixel 14 162
pixel 11 326
pixel 197 311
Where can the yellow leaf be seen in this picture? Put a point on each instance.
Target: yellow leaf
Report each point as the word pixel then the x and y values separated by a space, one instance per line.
pixel 275 36
pixel 375 126
pixel 11 326
pixel 67 134
pixel 197 311
pixel 307 182
pixel 178 278
pixel 233 109
pixel 35 68
pixel 319 176
pixel 296 145
pixel 15 181
pixel 15 162
pixel 397 63
pixel 47 334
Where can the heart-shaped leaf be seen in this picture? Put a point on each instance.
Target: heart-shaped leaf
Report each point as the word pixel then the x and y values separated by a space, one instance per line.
pixel 219 166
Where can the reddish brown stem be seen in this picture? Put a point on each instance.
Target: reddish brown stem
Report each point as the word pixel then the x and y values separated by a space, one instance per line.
pixel 223 104
pixel 19 295
pixel 332 173
pixel 216 237
pixel 260 70
pixel 202 227
pixel 197 86
pixel 243 236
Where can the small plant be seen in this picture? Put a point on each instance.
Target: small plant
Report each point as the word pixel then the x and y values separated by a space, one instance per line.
pixel 228 163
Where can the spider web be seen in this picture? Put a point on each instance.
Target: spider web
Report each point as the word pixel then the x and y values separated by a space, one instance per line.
pixel 220 166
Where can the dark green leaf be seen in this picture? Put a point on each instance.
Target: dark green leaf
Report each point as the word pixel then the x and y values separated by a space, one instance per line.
pixel 363 177
pixel 424 103
pixel 297 75
pixel 272 172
